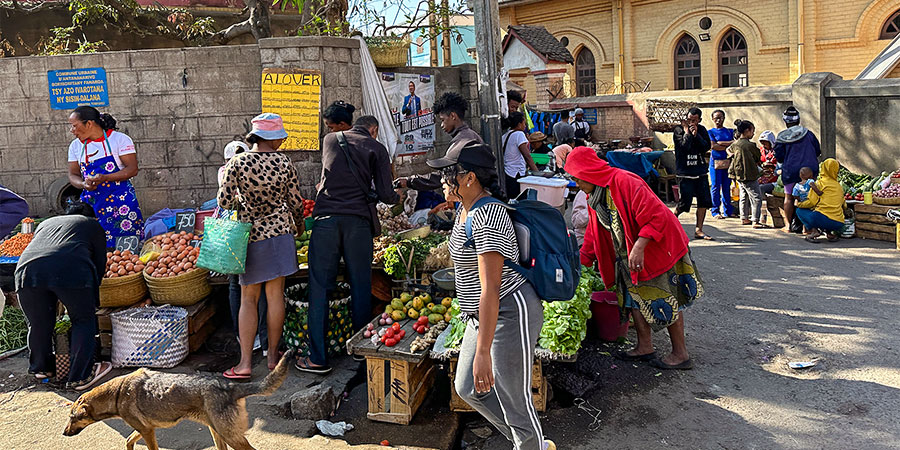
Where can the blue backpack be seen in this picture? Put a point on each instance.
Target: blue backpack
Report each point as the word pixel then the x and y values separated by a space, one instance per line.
pixel 548 253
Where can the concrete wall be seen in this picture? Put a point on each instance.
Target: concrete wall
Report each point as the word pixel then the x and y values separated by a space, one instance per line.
pixel 855 121
pixel 179 128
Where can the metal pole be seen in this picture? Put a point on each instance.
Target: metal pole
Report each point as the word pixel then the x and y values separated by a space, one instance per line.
pixel 487 44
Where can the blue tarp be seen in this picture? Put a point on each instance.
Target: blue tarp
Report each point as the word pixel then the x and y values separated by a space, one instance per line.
pixel 637 163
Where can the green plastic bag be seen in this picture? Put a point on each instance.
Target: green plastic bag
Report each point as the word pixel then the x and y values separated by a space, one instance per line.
pixel 224 246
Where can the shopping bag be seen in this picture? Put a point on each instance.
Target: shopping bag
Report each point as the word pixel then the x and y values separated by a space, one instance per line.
pixel 224 245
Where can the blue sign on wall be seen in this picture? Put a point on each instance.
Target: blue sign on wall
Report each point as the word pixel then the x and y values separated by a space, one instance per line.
pixel 590 116
pixel 72 88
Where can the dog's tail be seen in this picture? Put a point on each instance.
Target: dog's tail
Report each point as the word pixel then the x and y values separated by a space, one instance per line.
pixel 270 384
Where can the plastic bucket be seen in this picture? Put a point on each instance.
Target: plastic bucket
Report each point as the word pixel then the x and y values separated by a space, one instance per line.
pixel 605 315
pixel 200 217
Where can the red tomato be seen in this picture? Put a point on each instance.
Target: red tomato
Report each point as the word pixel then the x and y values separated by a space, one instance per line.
pixel 395 326
pixel 389 333
pixel 422 320
pixel 390 342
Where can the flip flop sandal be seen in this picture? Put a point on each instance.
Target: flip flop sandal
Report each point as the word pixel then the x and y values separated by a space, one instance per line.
pixel 813 239
pixel 659 364
pixel 232 375
pixel 303 366
pixel 100 371
pixel 43 375
pixel 760 226
pixel 833 238
pixel 624 356
pixel 704 237
pixel 746 222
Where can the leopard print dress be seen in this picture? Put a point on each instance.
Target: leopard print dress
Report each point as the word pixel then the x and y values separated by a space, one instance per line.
pixel 265 190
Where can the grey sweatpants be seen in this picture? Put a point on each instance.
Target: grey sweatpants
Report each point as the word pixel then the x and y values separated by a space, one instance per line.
pixel 751 200
pixel 508 406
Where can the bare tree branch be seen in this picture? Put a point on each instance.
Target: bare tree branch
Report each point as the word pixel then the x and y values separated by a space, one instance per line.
pixel 238 29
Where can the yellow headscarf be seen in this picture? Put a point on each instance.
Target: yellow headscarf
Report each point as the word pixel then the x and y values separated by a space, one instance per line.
pixel 831 202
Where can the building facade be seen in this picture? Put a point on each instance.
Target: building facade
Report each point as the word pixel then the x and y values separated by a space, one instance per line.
pixel 633 45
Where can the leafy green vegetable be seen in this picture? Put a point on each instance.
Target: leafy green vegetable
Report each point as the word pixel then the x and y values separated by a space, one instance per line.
pixel 457 327
pixel 13 329
pixel 397 257
pixel 63 325
pixel 565 323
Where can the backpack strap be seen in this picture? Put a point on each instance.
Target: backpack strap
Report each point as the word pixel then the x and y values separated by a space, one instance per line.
pixel 470 241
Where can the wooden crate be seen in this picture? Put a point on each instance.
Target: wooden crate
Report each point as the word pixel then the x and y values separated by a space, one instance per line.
pixel 871 222
pixel 397 378
pixel 538 389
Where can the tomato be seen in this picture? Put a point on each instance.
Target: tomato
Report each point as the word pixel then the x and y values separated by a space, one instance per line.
pixel 390 342
pixel 389 333
pixel 422 320
pixel 402 334
pixel 395 326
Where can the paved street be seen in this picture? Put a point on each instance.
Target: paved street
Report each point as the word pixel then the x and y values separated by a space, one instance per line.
pixel 770 298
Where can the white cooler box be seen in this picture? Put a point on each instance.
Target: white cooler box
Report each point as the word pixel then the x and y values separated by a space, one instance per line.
pixel 551 191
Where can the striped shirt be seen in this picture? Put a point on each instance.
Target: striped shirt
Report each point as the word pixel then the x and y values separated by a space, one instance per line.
pixel 492 230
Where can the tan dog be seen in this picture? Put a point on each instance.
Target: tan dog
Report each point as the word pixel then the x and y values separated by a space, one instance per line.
pixel 147 400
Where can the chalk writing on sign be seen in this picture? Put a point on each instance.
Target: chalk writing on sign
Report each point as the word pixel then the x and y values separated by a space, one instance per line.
pixel 294 95
pixel 130 243
pixel 72 88
pixel 185 221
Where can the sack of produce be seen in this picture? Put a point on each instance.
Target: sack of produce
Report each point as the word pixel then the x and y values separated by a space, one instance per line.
pixel 224 246
pixel 296 320
pixel 152 336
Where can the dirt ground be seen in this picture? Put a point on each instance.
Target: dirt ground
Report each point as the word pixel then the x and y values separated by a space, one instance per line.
pixel 771 298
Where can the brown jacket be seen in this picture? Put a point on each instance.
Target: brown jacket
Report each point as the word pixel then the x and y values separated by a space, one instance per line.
pixel 745 157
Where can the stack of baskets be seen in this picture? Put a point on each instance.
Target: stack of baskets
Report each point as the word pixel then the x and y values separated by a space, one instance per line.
pixel 182 290
pixel 664 115
pixel 122 291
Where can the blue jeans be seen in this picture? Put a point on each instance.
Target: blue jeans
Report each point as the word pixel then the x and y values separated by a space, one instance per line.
pixel 334 237
pixel 814 219
pixel 720 188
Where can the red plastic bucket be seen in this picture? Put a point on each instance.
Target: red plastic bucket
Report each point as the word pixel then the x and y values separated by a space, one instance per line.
pixel 605 315
pixel 200 216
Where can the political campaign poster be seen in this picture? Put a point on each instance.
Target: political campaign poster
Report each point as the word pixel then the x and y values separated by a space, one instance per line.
pixel 411 97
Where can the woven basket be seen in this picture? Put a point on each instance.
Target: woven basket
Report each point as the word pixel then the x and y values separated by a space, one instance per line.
pixel 886 201
pixel 124 291
pixel 183 290
pixel 389 52
pixel 664 115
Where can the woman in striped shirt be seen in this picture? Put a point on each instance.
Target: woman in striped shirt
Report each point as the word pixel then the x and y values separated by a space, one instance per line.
pixel 503 312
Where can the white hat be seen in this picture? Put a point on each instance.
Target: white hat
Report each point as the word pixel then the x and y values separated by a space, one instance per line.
pixel 579 111
pixel 767 136
pixel 235 147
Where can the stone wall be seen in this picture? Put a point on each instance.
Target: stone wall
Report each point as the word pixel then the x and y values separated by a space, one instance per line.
pixel 180 106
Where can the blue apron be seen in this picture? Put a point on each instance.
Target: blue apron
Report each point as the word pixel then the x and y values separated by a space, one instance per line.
pixel 115 203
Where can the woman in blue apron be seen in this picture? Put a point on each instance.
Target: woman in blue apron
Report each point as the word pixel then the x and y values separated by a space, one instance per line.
pixel 102 163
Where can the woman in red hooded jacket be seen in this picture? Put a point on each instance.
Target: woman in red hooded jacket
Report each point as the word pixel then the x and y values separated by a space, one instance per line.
pixel 642 253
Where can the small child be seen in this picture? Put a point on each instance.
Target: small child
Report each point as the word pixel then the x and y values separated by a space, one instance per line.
pixel 801 189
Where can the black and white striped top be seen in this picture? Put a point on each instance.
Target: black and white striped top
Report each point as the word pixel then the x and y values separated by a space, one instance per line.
pixel 492 230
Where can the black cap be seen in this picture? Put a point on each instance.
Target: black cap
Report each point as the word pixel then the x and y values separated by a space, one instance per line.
pixel 472 154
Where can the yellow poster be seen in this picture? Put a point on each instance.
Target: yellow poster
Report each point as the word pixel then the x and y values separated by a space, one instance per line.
pixel 294 95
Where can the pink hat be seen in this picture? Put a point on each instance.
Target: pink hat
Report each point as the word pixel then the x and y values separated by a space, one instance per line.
pixel 268 126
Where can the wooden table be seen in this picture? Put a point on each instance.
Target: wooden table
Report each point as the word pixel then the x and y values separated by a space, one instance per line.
pixel 397 378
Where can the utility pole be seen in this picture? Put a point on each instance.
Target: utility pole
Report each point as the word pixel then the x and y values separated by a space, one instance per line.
pixel 487 44
pixel 432 36
pixel 445 24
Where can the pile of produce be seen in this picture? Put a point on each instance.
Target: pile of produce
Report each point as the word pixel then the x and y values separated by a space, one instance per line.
pixel 892 191
pixel 414 307
pixel 18 228
pixel 175 257
pixel 401 258
pixel 854 183
pixel 390 222
pixel 380 244
pixel 430 335
pixel 389 336
pixel 15 245
pixel 121 264
pixel 302 245
pixel 565 323
pixel 308 206
pixel 438 257
pixel 457 327
pixel 13 329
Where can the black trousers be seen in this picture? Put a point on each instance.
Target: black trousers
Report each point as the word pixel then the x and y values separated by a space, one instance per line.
pixel 512 187
pixel 334 237
pixel 39 305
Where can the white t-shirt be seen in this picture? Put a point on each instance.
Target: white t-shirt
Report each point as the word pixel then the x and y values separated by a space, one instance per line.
pixel 513 161
pixel 117 144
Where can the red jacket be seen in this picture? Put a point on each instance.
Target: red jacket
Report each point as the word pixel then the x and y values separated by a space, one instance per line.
pixel 643 214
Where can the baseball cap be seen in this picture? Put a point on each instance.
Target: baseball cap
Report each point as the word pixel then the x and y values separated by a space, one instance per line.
pixel 472 154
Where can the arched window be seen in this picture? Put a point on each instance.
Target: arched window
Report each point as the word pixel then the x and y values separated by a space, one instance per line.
pixel 891 27
pixel 585 74
pixel 733 60
pixel 687 64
